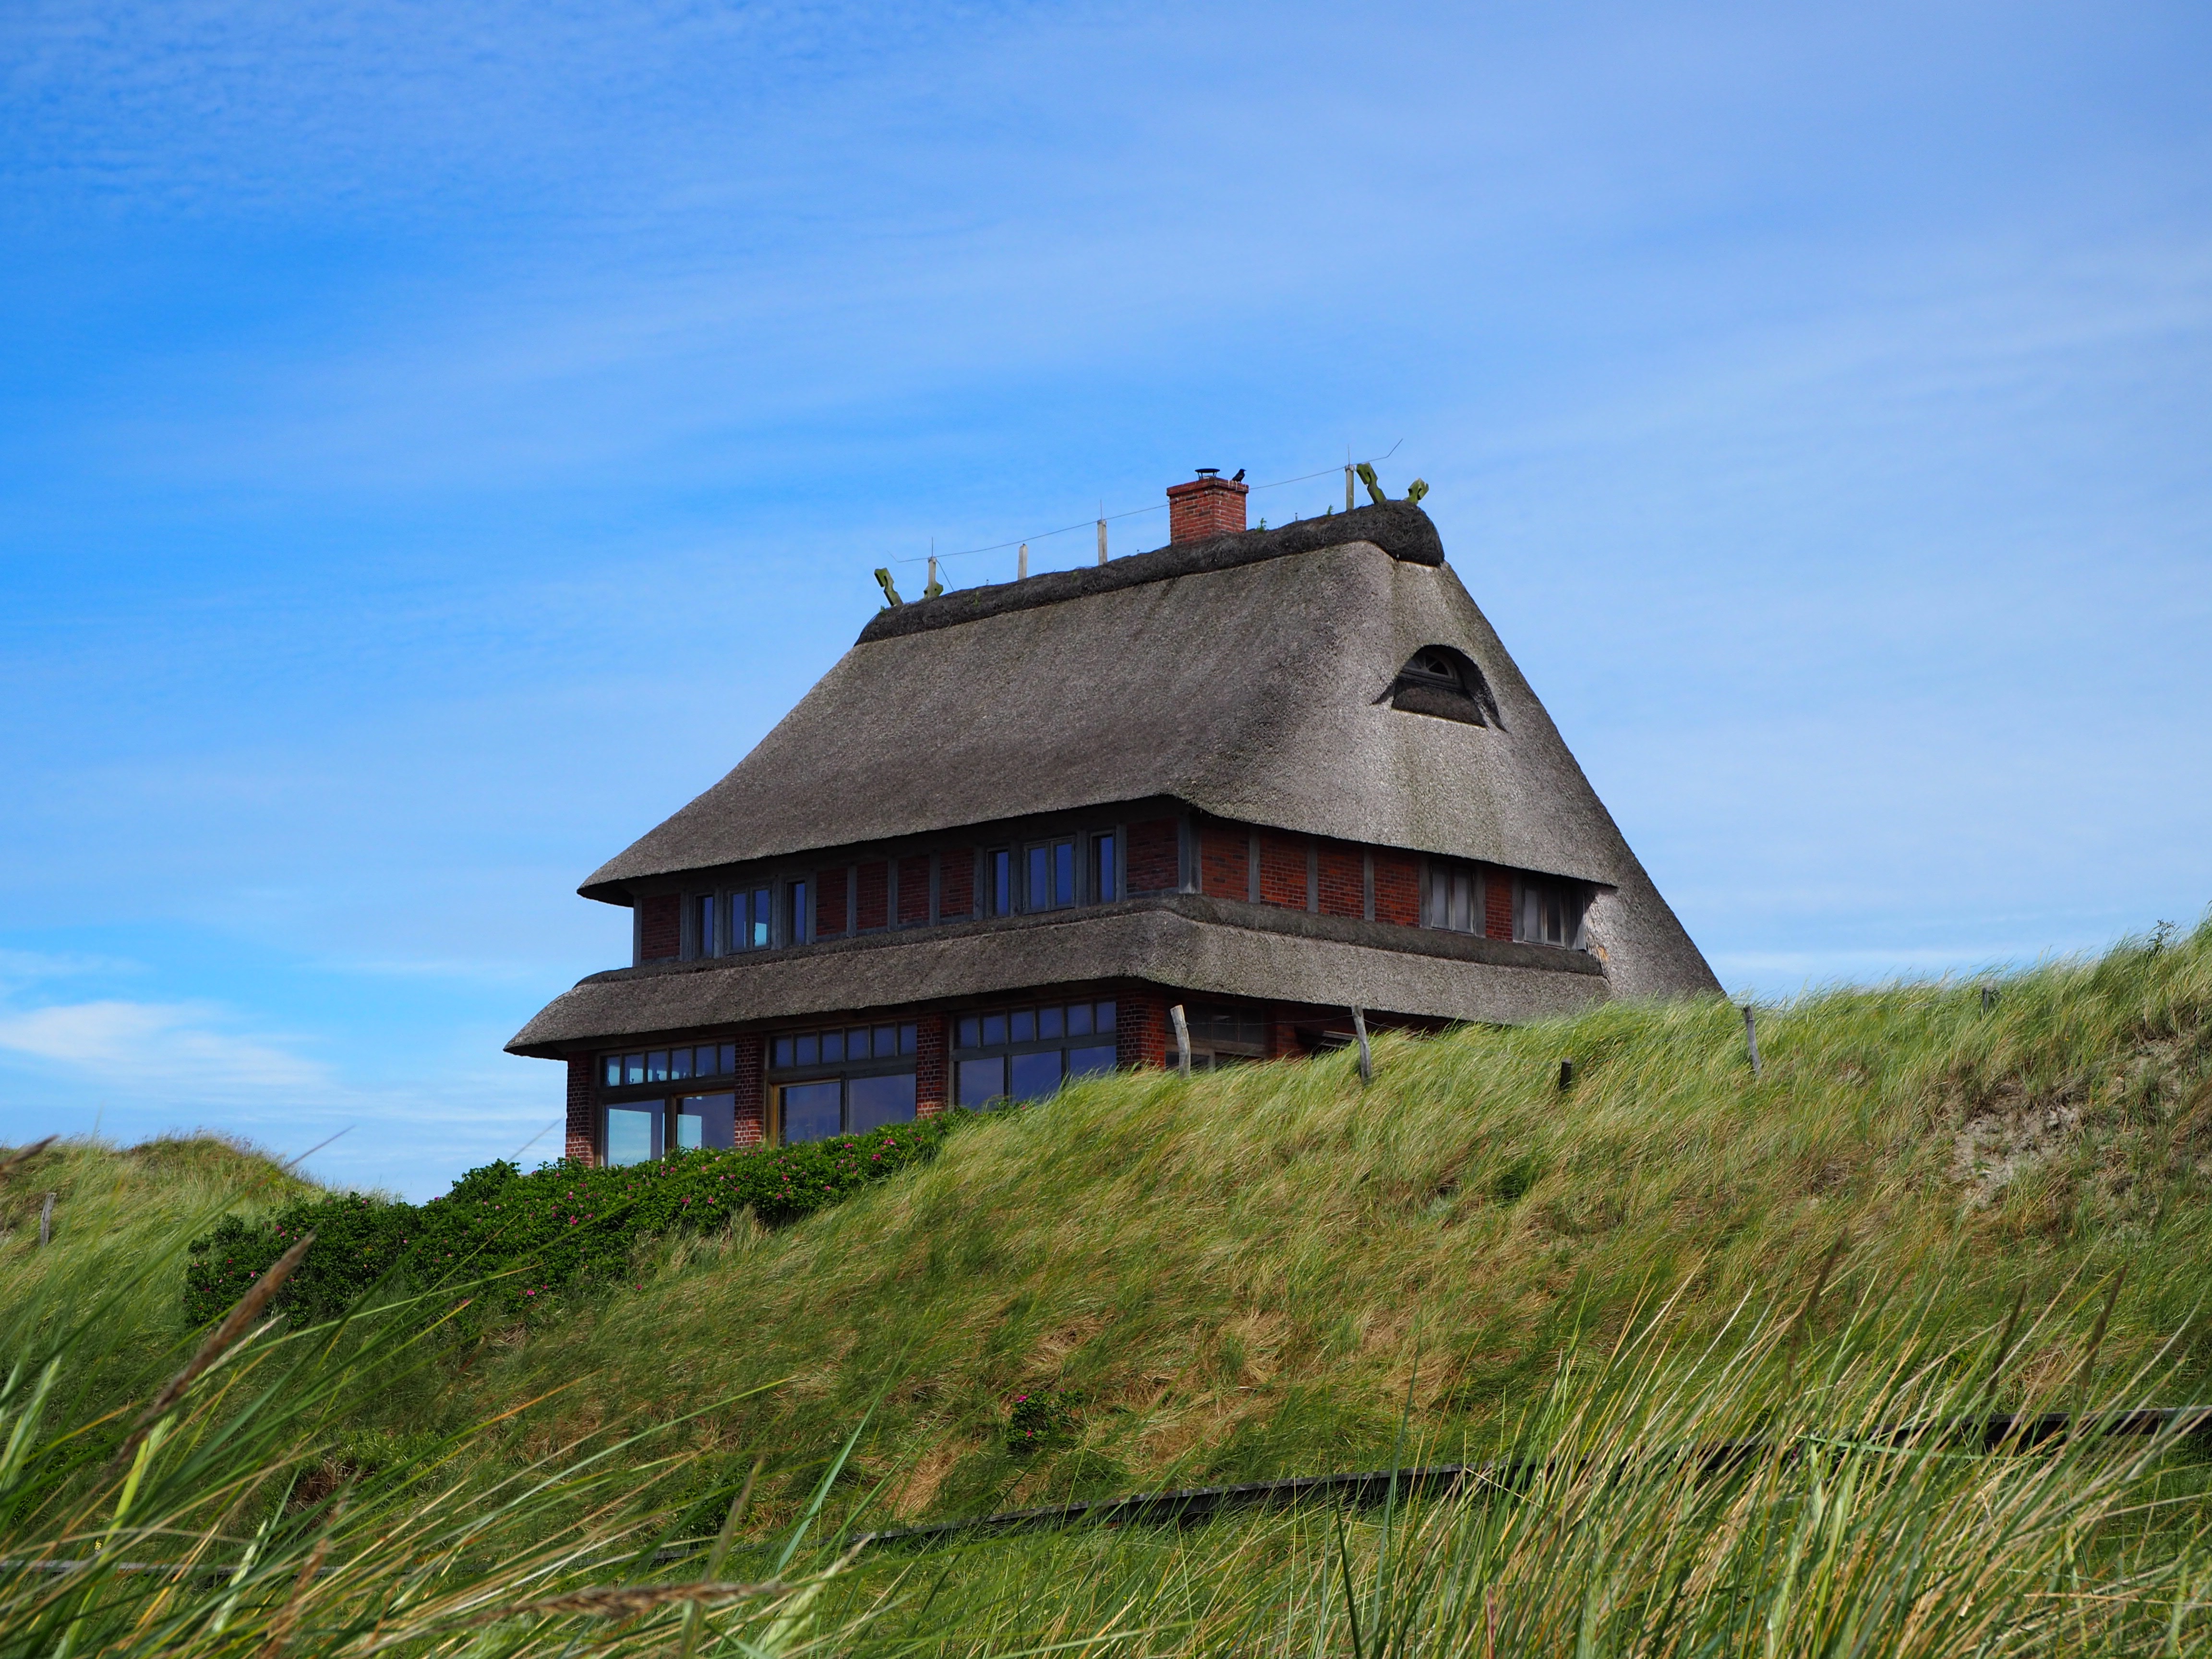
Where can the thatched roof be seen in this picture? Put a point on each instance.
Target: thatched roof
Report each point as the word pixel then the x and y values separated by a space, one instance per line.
pixel 1241 675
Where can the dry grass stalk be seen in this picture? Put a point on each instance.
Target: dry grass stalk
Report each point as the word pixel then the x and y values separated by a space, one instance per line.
pixel 626 1601
pixel 225 1337
pixel 23 1155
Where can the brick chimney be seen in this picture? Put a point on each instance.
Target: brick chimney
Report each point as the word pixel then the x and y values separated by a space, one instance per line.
pixel 1209 505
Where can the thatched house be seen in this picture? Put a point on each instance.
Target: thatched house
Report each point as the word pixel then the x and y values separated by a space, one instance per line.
pixel 1262 775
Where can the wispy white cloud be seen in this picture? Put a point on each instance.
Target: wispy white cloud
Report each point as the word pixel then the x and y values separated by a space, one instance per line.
pixel 177 1047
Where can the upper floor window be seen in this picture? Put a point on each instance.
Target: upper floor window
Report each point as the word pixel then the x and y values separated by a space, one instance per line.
pixel 706 911
pixel 752 919
pixel 1550 913
pixel 1052 876
pixel 1455 896
pixel 1105 873
pixel 1002 882
pixel 794 919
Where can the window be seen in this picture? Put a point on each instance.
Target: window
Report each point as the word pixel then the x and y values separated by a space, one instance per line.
pixel 704 934
pixel 1455 896
pixel 632 1132
pixel 1222 1037
pixel 804 1048
pixel 872 1081
pixel 1443 682
pixel 1002 882
pixel 1051 876
pixel 669 1065
pixel 1550 913
pixel 752 920
pixel 703 1121
pixel 1105 884
pixel 1026 1054
pixel 795 913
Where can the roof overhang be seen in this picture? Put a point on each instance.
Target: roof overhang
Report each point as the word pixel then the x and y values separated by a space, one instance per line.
pixel 1207 945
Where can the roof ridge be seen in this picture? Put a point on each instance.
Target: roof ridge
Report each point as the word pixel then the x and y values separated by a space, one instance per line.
pixel 1399 528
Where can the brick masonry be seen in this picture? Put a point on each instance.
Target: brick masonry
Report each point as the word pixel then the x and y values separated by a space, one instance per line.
pixel 659 927
pixel 1155 857
pixel 751 1091
pixel 931 1041
pixel 913 889
pixel 583 1141
pixel 831 899
pixel 1496 903
pixel 1343 879
pixel 872 902
pixel 1140 1028
pixel 1397 887
pixel 1224 861
pixel 956 885
pixel 1206 507
pixel 1282 869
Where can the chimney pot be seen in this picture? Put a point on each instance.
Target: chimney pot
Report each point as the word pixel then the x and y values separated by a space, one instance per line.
pixel 1209 505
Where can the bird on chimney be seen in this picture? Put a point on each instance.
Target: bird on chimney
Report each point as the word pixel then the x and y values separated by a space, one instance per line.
pixel 1239 478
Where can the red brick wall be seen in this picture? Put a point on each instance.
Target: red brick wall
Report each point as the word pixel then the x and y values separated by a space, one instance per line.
pixel 1140 1028
pixel 955 883
pixel 913 889
pixel 1224 855
pixel 875 895
pixel 1283 1036
pixel 1343 879
pixel 752 1093
pixel 661 928
pixel 1205 506
pixel 1282 869
pixel 1154 857
pixel 583 1109
pixel 1397 887
pixel 930 1043
pixel 1496 904
pixel 830 901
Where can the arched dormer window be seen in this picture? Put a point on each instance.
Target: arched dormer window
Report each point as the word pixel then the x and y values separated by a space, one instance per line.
pixel 1444 683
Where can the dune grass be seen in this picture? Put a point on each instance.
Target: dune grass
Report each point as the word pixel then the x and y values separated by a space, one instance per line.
pixel 1927 1207
pixel 1247 1274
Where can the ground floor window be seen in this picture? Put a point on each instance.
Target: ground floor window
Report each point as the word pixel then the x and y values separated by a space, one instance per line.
pixel 1026 1054
pixel 669 1064
pixel 1222 1037
pixel 639 1131
pixel 819 1108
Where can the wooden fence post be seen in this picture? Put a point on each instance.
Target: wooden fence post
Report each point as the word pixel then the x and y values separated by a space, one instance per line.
pixel 1366 1054
pixel 1182 1038
pixel 47 1220
pixel 1751 1038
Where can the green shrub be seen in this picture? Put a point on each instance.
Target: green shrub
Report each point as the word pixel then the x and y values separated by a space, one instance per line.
pixel 561 1226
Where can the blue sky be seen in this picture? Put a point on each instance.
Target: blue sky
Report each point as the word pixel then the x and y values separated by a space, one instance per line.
pixel 436 442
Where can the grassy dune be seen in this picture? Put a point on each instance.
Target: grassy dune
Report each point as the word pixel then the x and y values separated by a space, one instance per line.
pixel 1266 1271
pixel 1248 1275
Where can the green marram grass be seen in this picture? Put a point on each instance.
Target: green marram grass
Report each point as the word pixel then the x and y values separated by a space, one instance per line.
pixel 1925 1207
